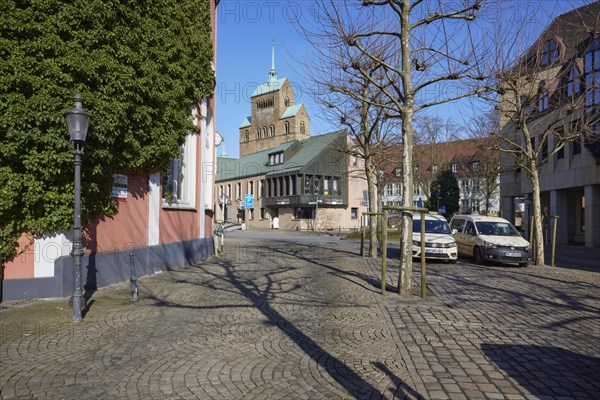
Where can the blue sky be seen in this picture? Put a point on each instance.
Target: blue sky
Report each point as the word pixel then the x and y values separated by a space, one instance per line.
pixel 245 31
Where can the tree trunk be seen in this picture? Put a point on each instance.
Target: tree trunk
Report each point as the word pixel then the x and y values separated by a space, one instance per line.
pixel 538 238
pixel 407 112
pixel 372 209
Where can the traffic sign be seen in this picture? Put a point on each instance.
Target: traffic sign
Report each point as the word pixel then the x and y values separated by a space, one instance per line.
pixel 249 201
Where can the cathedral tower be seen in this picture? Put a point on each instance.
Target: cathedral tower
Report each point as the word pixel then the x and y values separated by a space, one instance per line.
pixel 275 117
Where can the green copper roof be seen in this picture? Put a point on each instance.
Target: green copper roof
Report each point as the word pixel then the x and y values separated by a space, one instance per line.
pixel 258 163
pixel 247 122
pixel 291 111
pixel 268 87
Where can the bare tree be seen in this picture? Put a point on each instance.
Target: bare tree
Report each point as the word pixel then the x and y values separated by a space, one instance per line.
pixel 425 51
pixel 485 166
pixel 541 97
pixel 352 98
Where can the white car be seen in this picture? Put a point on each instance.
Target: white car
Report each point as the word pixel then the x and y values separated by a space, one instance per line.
pixel 490 238
pixel 439 243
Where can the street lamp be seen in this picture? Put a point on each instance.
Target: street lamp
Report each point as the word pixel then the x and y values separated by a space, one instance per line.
pixel 78 121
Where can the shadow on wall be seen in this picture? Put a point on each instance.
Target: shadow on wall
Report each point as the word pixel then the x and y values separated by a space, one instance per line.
pixel 548 371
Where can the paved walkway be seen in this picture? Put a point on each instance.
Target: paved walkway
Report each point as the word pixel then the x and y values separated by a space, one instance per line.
pixel 302 321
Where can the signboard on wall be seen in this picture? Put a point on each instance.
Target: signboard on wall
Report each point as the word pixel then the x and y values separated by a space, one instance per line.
pixel 119 187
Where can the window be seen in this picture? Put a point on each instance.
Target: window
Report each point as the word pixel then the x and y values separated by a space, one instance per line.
pixel 354 161
pixel 575 147
pixel 543 100
pixel 354 213
pixel 544 152
pixel 251 187
pixel 286 101
pixel 389 190
pixel 592 74
pixel 302 128
pixel 258 134
pixel 326 186
pixel 304 213
pixel 247 136
pixel 475 165
pixel 398 172
pixel 454 167
pixel 574 82
pixel 179 178
pixel 549 53
pixel 286 126
pixel 335 187
pixel 434 168
pixel 307 184
pixel 317 185
pixel 264 132
pixel 560 153
pixel 238 190
pixel 272 131
pixel 397 189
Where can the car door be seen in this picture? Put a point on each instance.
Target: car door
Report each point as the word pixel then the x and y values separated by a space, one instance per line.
pixel 459 225
pixel 470 237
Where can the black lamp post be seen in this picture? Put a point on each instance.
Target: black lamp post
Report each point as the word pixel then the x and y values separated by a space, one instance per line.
pixel 78 121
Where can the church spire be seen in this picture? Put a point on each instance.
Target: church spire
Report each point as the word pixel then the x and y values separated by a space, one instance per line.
pixel 272 73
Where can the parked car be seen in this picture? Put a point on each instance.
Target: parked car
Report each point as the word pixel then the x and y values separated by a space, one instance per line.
pixel 490 239
pixel 439 243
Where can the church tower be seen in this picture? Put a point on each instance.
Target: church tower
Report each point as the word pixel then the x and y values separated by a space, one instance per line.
pixel 275 117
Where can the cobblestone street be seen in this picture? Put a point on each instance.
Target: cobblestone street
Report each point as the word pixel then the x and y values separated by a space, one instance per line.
pixel 306 321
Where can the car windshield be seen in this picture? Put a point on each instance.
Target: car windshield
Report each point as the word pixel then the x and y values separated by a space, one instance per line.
pixel 431 226
pixel 496 229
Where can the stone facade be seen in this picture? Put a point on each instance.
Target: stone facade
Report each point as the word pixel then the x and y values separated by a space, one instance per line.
pixel 275 117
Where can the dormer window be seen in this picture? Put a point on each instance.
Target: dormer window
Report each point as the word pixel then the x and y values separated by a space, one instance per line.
pixel 434 168
pixel 549 53
pixel 475 165
pixel 276 158
pixel 398 171
pixel 455 167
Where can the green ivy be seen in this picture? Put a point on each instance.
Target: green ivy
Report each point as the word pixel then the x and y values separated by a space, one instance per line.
pixel 140 66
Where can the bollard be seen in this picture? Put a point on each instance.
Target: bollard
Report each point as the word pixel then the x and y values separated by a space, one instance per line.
pixel 423 278
pixel 384 252
pixel 133 277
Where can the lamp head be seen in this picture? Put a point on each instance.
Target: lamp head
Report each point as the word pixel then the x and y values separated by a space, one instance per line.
pixel 78 120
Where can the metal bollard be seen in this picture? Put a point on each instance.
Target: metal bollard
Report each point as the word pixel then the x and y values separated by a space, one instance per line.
pixel 133 277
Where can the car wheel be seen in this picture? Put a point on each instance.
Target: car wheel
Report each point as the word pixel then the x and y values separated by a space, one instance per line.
pixel 523 265
pixel 478 256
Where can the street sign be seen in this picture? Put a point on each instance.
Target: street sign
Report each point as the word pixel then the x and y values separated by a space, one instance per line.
pixel 249 201
pixel 242 205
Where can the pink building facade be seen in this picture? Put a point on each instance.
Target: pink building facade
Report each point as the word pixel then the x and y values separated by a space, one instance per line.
pixel 156 227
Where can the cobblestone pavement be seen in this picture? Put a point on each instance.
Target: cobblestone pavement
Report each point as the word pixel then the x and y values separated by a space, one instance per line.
pixel 306 321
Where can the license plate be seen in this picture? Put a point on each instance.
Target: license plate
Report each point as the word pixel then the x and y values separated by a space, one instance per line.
pixel 434 251
pixel 512 254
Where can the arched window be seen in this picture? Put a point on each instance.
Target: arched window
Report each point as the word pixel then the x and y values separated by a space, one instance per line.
pixel 286 101
pixel 592 74
pixel 272 131
pixel 287 127
pixel 302 129
pixel 258 133
pixel 247 136
pixel 574 82
pixel 265 132
pixel 549 53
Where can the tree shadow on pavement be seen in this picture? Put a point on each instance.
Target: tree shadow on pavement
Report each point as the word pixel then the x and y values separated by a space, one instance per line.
pixel 258 287
pixel 547 371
